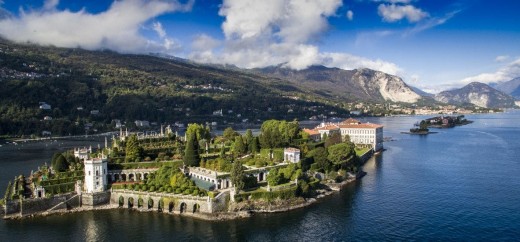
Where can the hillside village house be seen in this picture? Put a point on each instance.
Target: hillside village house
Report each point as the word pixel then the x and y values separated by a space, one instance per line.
pixel 359 133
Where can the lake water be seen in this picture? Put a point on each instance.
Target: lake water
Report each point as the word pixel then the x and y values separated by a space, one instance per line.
pixel 459 184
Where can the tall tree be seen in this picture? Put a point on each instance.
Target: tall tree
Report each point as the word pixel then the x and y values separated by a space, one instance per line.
pixel 342 154
pixel 199 130
pixel 319 156
pixel 334 138
pixel 271 136
pixel 61 164
pixel 191 153
pixel 240 147
pixel 255 146
pixel 237 175
pixel 229 134
pixel 133 150
pixel 248 139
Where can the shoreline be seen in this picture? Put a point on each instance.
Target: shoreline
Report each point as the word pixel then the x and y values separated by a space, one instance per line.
pixel 218 216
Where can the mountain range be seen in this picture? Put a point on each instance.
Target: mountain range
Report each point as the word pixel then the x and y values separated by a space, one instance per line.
pixel 511 87
pixel 97 87
pixel 353 85
pixel 478 94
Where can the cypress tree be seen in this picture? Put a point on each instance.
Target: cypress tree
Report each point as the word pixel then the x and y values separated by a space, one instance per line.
pixel 237 175
pixel 191 153
pixel 133 151
pixel 240 147
pixel 254 147
pixel 61 164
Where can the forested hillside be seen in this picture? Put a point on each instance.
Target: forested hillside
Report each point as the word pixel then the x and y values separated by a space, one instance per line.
pixel 76 83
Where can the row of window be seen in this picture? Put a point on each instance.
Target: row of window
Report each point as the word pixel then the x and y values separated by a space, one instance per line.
pixel 97 172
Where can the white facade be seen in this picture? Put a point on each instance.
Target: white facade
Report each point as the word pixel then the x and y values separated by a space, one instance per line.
pixel 359 133
pixel 83 153
pixel 365 135
pixel 95 175
pixel 291 155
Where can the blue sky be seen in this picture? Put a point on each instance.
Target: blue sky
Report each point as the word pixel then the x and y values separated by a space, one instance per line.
pixel 432 44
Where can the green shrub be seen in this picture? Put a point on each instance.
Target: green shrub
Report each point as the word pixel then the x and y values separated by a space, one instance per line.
pixel 195 192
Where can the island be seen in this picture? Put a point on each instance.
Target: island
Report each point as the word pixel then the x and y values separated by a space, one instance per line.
pixel 446 121
pixel 437 122
pixel 199 174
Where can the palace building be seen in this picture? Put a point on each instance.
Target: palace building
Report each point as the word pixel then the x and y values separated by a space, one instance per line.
pixel 359 133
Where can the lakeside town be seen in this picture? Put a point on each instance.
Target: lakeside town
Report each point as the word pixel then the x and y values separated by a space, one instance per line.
pixel 200 174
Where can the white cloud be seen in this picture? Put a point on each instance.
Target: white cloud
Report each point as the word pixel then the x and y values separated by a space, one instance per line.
pixel 350 15
pixel 272 32
pixel 117 28
pixel 50 4
pixel 204 42
pixel 392 13
pixel 501 58
pixel 292 21
pixel 348 61
pixel 505 73
pixel 158 28
pixel 430 23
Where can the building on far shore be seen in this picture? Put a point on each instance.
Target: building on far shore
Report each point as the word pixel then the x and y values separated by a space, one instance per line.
pixel 359 133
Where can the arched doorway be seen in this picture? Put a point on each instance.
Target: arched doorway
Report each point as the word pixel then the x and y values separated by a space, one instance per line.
pixel 123 177
pixel 138 177
pixel 130 202
pixel 161 205
pixel 261 176
pixel 116 177
pixel 140 202
pixel 170 207
pixel 131 177
pixel 145 176
pixel 121 201
pixel 196 208
pixel 183 208
pixel 150 203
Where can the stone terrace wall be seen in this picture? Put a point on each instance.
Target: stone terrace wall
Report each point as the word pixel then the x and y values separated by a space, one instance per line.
pixel 37 205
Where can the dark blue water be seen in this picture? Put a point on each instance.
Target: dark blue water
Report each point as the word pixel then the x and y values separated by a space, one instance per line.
pixel 460 184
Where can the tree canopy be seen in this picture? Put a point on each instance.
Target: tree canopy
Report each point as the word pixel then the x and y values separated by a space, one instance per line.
pixel 342 154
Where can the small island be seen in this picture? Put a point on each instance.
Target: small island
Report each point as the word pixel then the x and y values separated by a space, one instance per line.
pixel 199 174
pixel 437 122
pixel 446 121
pixel 422 130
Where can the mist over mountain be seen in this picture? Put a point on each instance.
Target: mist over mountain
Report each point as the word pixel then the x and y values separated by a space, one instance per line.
pixel 511 87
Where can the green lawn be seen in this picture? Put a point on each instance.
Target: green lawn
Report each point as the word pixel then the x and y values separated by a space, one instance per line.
pixel 361 151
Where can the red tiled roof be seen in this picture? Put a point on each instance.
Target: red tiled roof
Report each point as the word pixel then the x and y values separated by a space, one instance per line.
pixel 360 126
pixel 350 121
pixel 327 127
pixel 311 131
